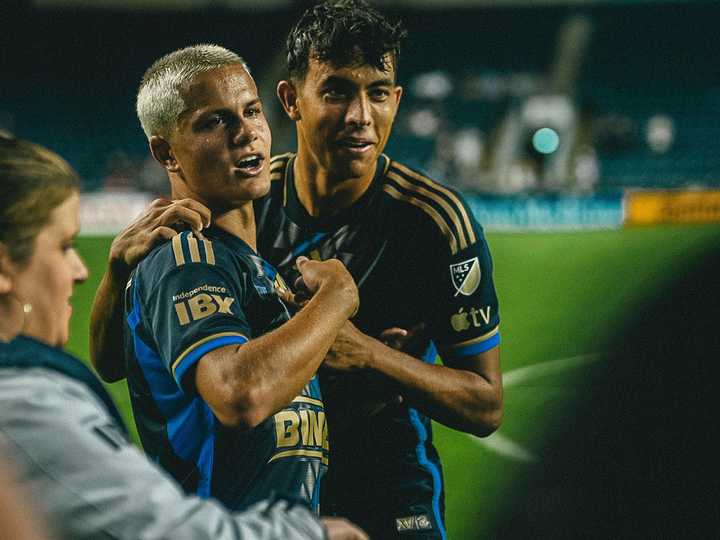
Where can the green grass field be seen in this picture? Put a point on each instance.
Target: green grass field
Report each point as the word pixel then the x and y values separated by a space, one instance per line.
pixel 562 296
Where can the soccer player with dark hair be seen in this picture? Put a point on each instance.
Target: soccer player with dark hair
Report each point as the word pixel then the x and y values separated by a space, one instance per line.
pixel 420 261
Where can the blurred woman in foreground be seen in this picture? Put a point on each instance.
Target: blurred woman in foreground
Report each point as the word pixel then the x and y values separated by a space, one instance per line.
pixel 57 423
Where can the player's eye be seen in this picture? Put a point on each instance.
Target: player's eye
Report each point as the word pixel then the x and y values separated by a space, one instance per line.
pixel 379 94
pixel 213 121
pixel 334 94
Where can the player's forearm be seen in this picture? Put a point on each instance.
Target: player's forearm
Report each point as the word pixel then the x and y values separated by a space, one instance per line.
pixel 255 380
pixel 461 399
pixel 106 324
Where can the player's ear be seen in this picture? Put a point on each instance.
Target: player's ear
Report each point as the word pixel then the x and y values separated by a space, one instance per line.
pixel 163 153
pixel 397 93
pixel 288 97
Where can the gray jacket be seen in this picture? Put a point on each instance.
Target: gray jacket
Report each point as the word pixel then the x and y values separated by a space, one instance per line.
pixel 90 483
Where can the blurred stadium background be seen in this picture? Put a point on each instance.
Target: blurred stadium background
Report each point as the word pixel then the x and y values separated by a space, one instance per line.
pixel 585 133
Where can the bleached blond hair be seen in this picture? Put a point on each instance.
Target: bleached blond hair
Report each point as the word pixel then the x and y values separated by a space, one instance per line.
pixel 159 99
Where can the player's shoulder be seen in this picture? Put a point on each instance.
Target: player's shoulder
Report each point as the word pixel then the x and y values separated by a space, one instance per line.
pixel 433 202
pixel 184 248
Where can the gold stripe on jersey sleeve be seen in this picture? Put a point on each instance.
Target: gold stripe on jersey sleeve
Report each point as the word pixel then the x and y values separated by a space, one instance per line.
pixel 177 250
pixel 429 210
pixel 195 345
pixel 460 207
pixel 311 401
pixel 302 453
pixel 436 198
pixel 209 251
pixel 193 246
pixel 472 341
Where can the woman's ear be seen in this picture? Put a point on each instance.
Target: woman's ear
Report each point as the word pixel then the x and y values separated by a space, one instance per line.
pixel 6 266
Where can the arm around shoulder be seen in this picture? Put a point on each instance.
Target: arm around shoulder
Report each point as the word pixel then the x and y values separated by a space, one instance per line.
pixel 106 326
pixel 127 250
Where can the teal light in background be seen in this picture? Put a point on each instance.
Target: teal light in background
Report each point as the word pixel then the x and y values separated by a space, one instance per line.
pixel 546 140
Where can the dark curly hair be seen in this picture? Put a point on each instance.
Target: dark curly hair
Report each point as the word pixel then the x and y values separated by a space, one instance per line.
pixel 343 32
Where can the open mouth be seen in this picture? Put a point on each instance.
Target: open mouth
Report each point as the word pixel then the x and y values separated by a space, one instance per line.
pixel 250 163
pixel 355 145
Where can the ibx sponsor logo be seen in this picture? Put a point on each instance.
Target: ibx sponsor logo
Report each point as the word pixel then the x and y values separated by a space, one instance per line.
pixel 465 276
pixel 420 522
pixel 195 305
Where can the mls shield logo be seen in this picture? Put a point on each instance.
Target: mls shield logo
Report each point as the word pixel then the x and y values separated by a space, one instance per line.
pixel 465 276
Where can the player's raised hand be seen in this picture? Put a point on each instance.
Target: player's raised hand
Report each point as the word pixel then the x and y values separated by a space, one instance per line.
pixel 330 275
pixel 162 220
pixel 342 529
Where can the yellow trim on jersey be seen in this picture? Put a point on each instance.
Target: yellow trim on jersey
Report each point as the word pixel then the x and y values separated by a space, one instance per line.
pixel 177 250
pixel 279 158
pixel 311 401
pixel 462 241
pixel 288 164
pixel 193 246
pixel 460 207
pixel 209 251
pixel 195 345
pixel 387 164
pixel 278 164
pixel 429 210
pixel 472 341
pixel 303 453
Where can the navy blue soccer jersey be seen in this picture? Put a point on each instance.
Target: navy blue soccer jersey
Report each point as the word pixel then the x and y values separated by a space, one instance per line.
pixel 419 258
pixel 186 299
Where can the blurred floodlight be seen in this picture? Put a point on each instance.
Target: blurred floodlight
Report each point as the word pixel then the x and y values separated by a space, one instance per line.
pixel 587 169
pixel 469 147
pixel 660 133
pixel 542 110
pixel 423 123
pixel 435 85
pixel 546 140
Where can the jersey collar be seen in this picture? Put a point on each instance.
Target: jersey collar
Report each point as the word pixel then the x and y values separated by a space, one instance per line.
pixel 238 244
pixel 296 211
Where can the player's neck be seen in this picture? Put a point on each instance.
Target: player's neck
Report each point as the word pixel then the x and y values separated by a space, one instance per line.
pixel 321 192
pixel 239 222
